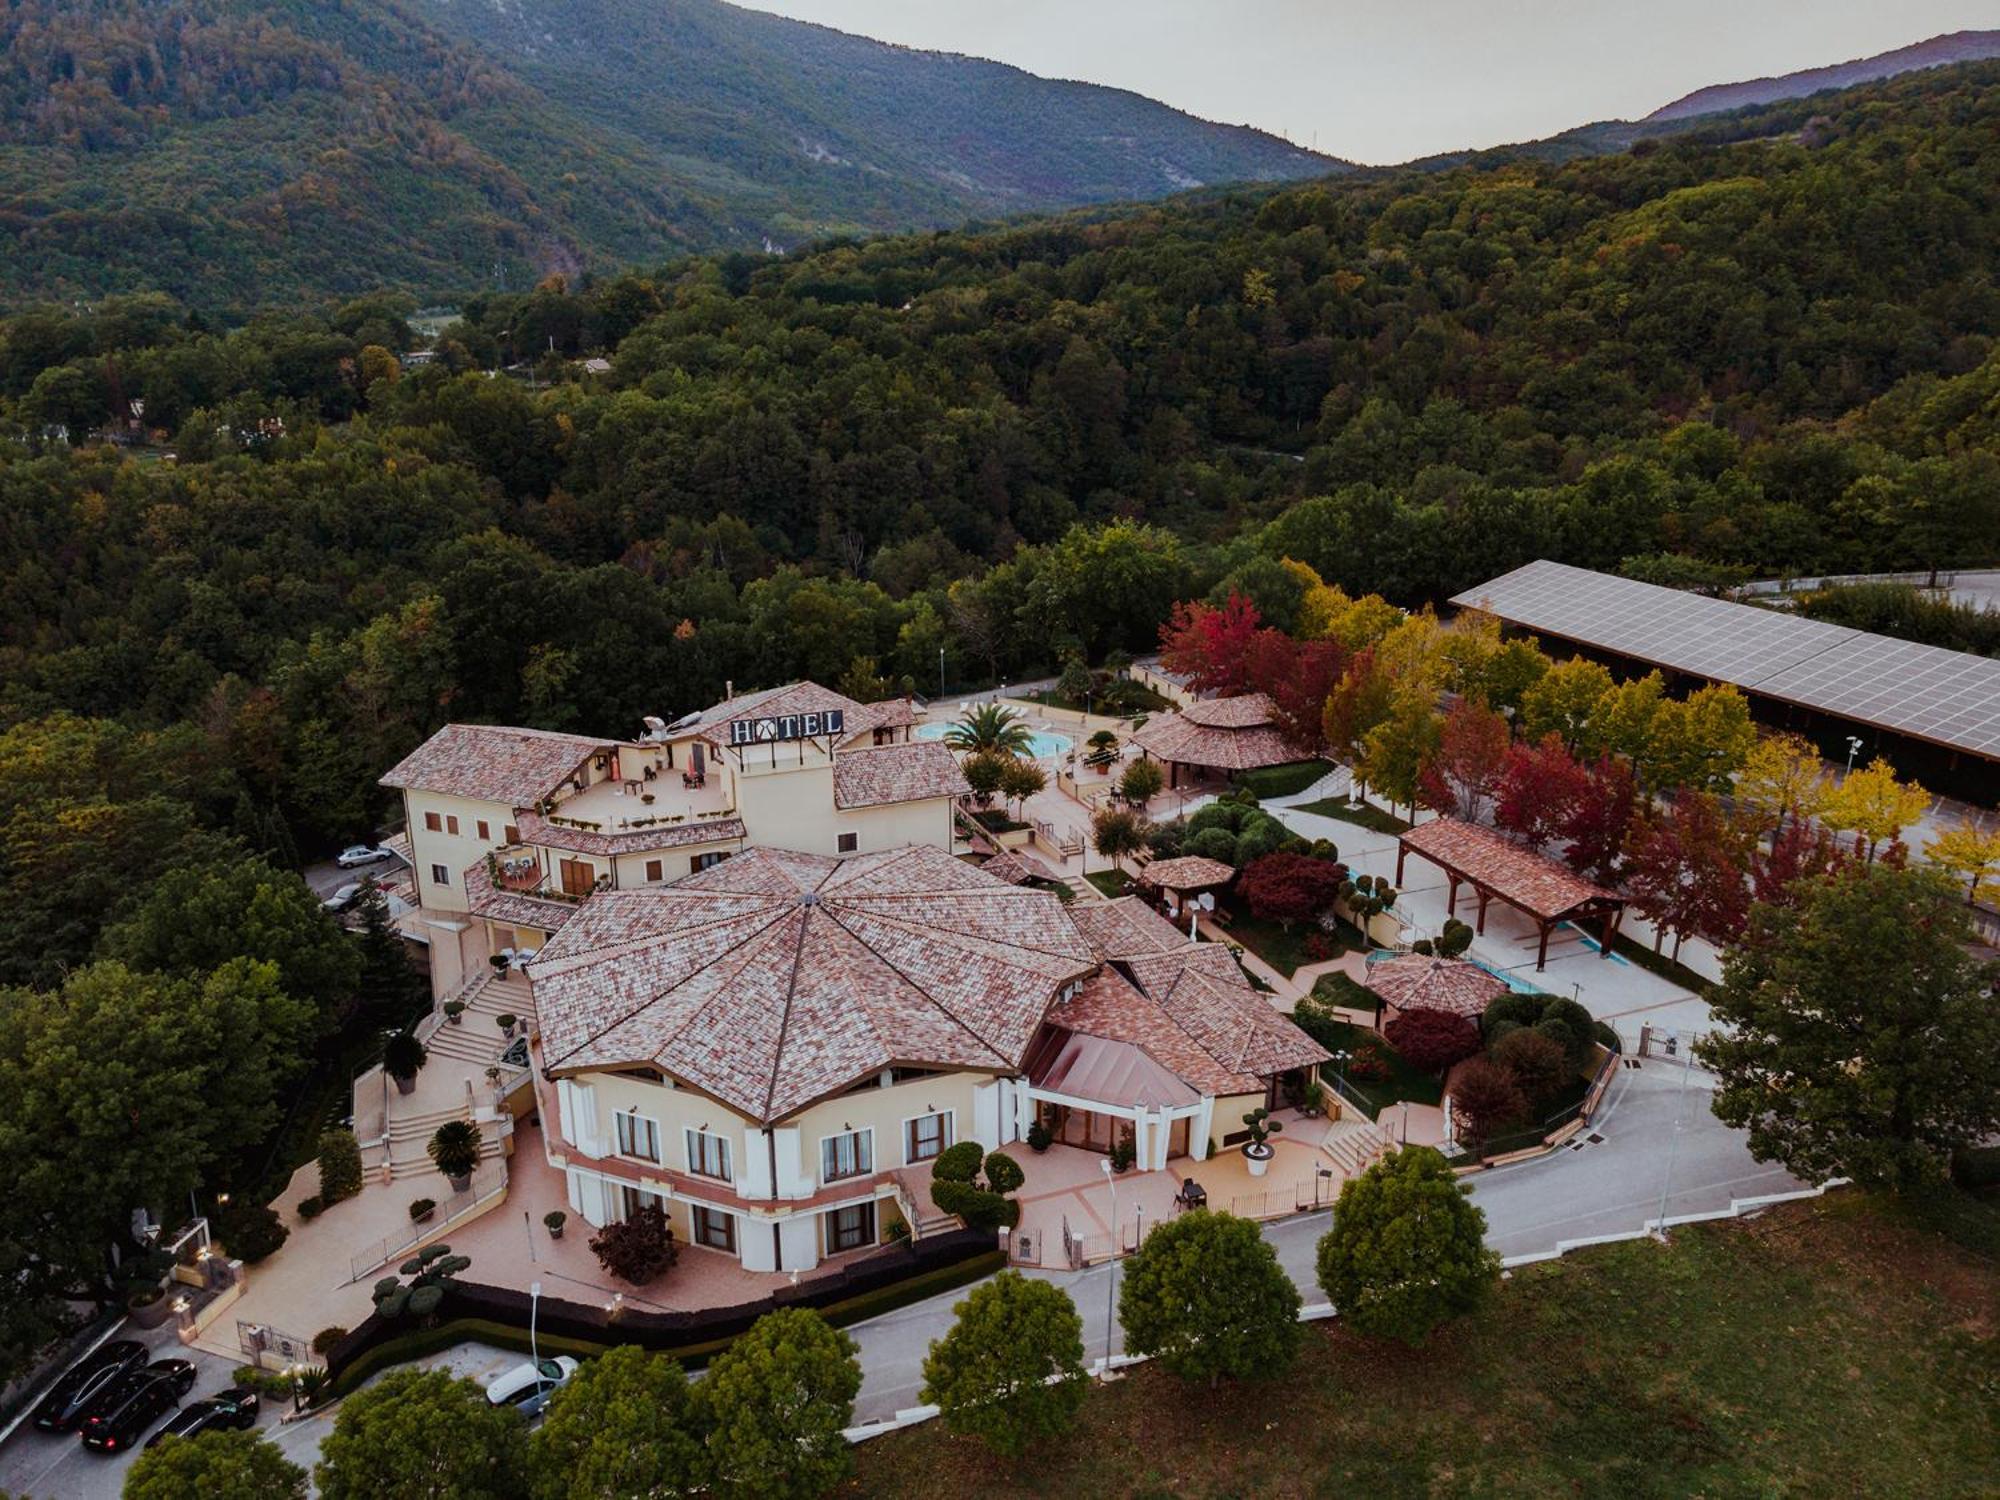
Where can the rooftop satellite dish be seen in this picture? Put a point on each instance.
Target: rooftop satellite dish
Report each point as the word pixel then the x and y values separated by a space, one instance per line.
pixel 1206 901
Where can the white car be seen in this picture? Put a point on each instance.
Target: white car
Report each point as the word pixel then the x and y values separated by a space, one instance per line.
pixel 528 1387
pixel 343 898
pixel 354 856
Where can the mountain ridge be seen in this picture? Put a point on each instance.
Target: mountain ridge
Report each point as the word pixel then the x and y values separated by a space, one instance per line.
pixel 1933 52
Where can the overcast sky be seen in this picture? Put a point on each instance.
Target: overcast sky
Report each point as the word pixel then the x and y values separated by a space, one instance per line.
pixel 1386 80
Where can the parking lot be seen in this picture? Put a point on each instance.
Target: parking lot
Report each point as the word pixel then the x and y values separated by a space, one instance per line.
pixel 56 1466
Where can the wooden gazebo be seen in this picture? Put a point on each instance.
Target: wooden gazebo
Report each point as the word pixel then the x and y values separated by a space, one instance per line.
pixel 1542 889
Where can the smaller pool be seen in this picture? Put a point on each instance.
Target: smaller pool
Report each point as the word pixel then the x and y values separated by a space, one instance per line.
pixel 1041 744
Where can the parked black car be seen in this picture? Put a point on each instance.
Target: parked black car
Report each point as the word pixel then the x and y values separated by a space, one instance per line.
pixel 235 1407
pixel 134 1403
pixel 63 1407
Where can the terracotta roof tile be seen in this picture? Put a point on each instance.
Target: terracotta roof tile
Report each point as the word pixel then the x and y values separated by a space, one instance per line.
pixel 1520 876
pixel 1416 981
pixel 1229 734
pixel 1191 872
pixel 1121 928
pixel 896 773
pixel 493 763
pixel 775 978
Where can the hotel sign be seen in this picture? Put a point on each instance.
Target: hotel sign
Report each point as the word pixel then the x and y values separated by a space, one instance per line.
pixel 787 727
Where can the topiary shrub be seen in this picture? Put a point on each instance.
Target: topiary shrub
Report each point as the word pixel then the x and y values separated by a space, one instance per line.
pixel 960 1163
pixel 311 1208
pixel 431 1271
pixel 1003 1173
pixel 326 1338
pixel 249 1231
pixel 1572 1026
pixel 1213 843
pixel 1515 1008
pixel 339 1166
pixel 1433 1039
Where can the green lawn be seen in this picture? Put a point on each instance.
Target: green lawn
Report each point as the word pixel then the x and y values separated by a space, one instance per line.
pixel 1282 950
pixel 1403 1082
pixel 1367 816
pixel 1282 781
pixel 1826 1348
pixel 1112 883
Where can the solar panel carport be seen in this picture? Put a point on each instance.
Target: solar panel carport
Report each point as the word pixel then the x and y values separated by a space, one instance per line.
pixel 1946 699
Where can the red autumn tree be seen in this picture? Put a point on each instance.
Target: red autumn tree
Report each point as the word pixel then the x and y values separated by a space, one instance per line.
pixel 1687 868
pixel 1801 849
pixel 1541 786
pixel 1485 1100
pixel 1600 818
pixel 1209 645
pixel 1462 772
pixel 1433 1039
pixel 1288 888
pixel 1297 676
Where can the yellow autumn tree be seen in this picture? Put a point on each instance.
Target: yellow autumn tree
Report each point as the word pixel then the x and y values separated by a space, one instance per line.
pixel 1873 804
pixel 1972 856
pixel 1782 779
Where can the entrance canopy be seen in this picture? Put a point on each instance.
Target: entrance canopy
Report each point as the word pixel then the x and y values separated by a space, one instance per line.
pixel 1541 889
pixel 1103 1071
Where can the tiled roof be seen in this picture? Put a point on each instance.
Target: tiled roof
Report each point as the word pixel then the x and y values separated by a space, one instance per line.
pixel 771 703
pixel 1244 711
pixel 493 762
pixel 1121 928
pixel 896 773
pixel 1191 1011
pixel 1016 868
pixel 1417 981
pixel 1191 872
pixel 775 978
pixel 1230 734
pixel 1518 876
pixel 1203 991
pixel 535 829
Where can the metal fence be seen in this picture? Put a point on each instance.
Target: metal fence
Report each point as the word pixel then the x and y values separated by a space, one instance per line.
pixel 271 1348
pixel 487 1183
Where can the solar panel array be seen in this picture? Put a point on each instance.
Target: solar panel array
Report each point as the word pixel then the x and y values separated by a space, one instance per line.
pixel 1948 698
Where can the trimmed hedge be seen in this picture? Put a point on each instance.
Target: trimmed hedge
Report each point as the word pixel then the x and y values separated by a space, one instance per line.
pixel 500 1315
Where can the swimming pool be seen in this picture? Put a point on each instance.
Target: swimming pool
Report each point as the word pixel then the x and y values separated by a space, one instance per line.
pixel 1041 745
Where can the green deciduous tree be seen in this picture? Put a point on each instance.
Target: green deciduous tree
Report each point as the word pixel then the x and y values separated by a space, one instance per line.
pixel 215 1466
pixel 1206 1296
pixel 421 1434
pixel 1010 1370
pixel 626 1424
pixel 1407 1248
pixel 1855 1035
pixel 777 1402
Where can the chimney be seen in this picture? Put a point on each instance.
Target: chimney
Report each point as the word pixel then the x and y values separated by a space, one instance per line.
pixel 728 689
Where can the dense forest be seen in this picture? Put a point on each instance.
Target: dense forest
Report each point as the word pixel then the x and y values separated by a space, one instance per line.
pixel 971 456
pixel 243 152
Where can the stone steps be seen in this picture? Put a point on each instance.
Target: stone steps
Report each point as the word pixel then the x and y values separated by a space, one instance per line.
pixel 1353 1146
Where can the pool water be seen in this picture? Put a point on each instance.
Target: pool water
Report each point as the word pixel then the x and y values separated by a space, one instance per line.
pixel 1041 744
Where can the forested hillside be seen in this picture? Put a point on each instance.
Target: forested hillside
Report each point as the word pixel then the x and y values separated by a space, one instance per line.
pixel 240 152
pixel 1010 446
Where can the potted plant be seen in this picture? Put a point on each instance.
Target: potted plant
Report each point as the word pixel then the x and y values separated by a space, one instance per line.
pixel 454 1011
pixel 421 1211
pixel 647 798
pixel 1125 1152
pixel 506 1023
pixel 1039 1139
pixel 455 1149
pixel 1257 1151
pixel 402 1056
pixel 499 961
pixel 147 1305
pixel 554 1222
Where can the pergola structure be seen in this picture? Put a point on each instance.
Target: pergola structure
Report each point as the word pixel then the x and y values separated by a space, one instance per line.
pixel 1541 889
pixel 1423 981
pixel 1217 734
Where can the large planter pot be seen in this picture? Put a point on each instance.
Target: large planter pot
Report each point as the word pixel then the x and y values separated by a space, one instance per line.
pixel 1259 1158
pixel 461 1184
pixel 406 1085
pixel 150 1314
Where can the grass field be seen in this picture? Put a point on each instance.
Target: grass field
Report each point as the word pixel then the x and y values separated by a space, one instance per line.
pixel 1824 1349
pixel 1282 781
pixel 1111 882
pixel 1366 816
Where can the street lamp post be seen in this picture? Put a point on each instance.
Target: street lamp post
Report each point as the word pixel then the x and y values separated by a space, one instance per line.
pixel 1853 749
pixel 1111 1296
pixel 534 1307
pixel 940 674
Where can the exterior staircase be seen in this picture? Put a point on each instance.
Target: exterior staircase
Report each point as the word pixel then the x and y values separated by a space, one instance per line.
pixel 1353 1144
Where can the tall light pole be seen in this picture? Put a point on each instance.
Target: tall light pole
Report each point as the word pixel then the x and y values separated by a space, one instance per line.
pixel 1673 1144
pixel 940 674
pixel 1111 1296
pixel 1853 749
pixel 534 1307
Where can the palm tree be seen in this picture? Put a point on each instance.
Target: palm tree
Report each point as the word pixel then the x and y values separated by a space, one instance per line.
pixel 990 729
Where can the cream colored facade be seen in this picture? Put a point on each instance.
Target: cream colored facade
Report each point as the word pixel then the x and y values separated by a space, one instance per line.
pixel 786 1200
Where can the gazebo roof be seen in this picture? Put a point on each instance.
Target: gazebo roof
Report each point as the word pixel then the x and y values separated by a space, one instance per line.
pixel 1533 882
pixel 1191 872
pixel 1229 734
pixel 1422 981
